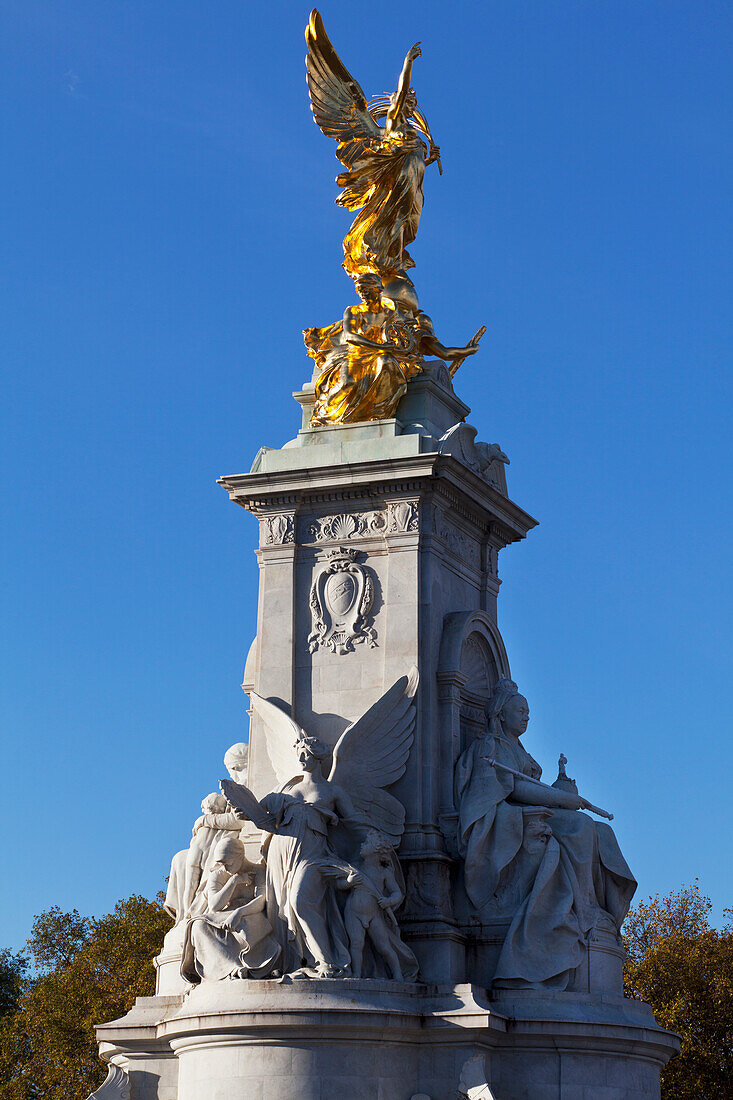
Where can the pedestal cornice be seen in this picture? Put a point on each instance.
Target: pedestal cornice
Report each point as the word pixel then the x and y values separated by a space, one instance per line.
pixel 375 482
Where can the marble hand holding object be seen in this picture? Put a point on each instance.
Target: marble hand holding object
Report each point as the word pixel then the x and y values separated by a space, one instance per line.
pixel 581 875
pixel 311 813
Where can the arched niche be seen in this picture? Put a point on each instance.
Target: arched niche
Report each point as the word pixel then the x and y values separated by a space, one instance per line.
pixel 472 659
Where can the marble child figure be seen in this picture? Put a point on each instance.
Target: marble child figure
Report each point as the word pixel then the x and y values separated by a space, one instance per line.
pixel 188 866
pixel 375 890
pixel 580 875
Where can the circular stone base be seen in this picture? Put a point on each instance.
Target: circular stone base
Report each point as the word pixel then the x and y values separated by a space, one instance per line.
pixel 379 1040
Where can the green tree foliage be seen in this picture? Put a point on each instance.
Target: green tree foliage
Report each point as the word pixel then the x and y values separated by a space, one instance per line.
pixel 684 969
pixel 87 971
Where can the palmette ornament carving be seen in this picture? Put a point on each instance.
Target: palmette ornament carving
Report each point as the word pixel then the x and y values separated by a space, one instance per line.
pixel 340 600
pixel 346 526
pixel 403 516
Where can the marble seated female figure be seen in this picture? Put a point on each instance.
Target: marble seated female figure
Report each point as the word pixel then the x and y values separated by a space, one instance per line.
pixel 578 875
pixel 232 937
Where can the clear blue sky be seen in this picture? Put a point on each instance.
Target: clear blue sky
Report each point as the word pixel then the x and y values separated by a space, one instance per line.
pixel 169 229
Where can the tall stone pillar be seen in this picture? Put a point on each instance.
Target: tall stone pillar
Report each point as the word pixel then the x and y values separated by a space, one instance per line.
pixel 387 534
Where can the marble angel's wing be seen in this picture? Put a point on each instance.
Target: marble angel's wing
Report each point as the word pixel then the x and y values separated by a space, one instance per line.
pixel 372 753
pixel 337 100
pixel 282 733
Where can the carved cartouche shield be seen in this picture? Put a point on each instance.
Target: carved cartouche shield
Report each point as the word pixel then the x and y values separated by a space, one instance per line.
pixel 340 601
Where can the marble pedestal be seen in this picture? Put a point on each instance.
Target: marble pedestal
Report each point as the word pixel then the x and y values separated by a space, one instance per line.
pixel 417 513
pixel 371 1040
pixel 422 512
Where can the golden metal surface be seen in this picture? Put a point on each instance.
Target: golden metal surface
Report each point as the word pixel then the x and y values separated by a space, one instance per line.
pixel 364 362
pixel 385 164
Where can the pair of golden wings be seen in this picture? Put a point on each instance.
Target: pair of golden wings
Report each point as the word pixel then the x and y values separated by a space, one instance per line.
pixel 338 102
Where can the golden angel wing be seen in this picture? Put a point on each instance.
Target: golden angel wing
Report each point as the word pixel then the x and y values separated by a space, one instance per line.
pixel 337 100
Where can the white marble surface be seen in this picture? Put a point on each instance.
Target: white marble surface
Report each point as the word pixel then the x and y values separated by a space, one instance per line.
pixel 368 1039
pixel 423 513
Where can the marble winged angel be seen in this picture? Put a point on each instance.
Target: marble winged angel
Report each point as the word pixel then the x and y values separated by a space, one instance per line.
pixel 385 163
pixel 315 818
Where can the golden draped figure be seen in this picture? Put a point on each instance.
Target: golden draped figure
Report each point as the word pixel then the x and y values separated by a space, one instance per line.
pixel 385 164
pixel 365 361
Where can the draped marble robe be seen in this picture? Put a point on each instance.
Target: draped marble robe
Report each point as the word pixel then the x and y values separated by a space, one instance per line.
pixel 301 903
pixel 236 941
pixel 581 875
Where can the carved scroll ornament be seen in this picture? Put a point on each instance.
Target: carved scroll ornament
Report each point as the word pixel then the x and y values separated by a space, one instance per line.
pixel 116 1086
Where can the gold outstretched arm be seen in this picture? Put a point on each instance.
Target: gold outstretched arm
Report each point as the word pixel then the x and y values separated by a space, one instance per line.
pixel 403 87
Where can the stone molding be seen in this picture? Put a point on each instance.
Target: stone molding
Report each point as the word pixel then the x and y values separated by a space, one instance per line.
pixel 346 525
pixel 463 492
pixel 457 629
pixel 116 1086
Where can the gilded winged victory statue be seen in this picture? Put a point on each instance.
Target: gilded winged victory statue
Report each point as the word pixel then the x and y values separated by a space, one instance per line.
pixel 364 361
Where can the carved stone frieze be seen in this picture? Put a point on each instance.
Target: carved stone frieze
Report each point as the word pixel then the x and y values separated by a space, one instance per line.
pixel 403 516
pixel 461 545
pixel 428 894
pixel 278 530
pixel 347 525
pixel 341 598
